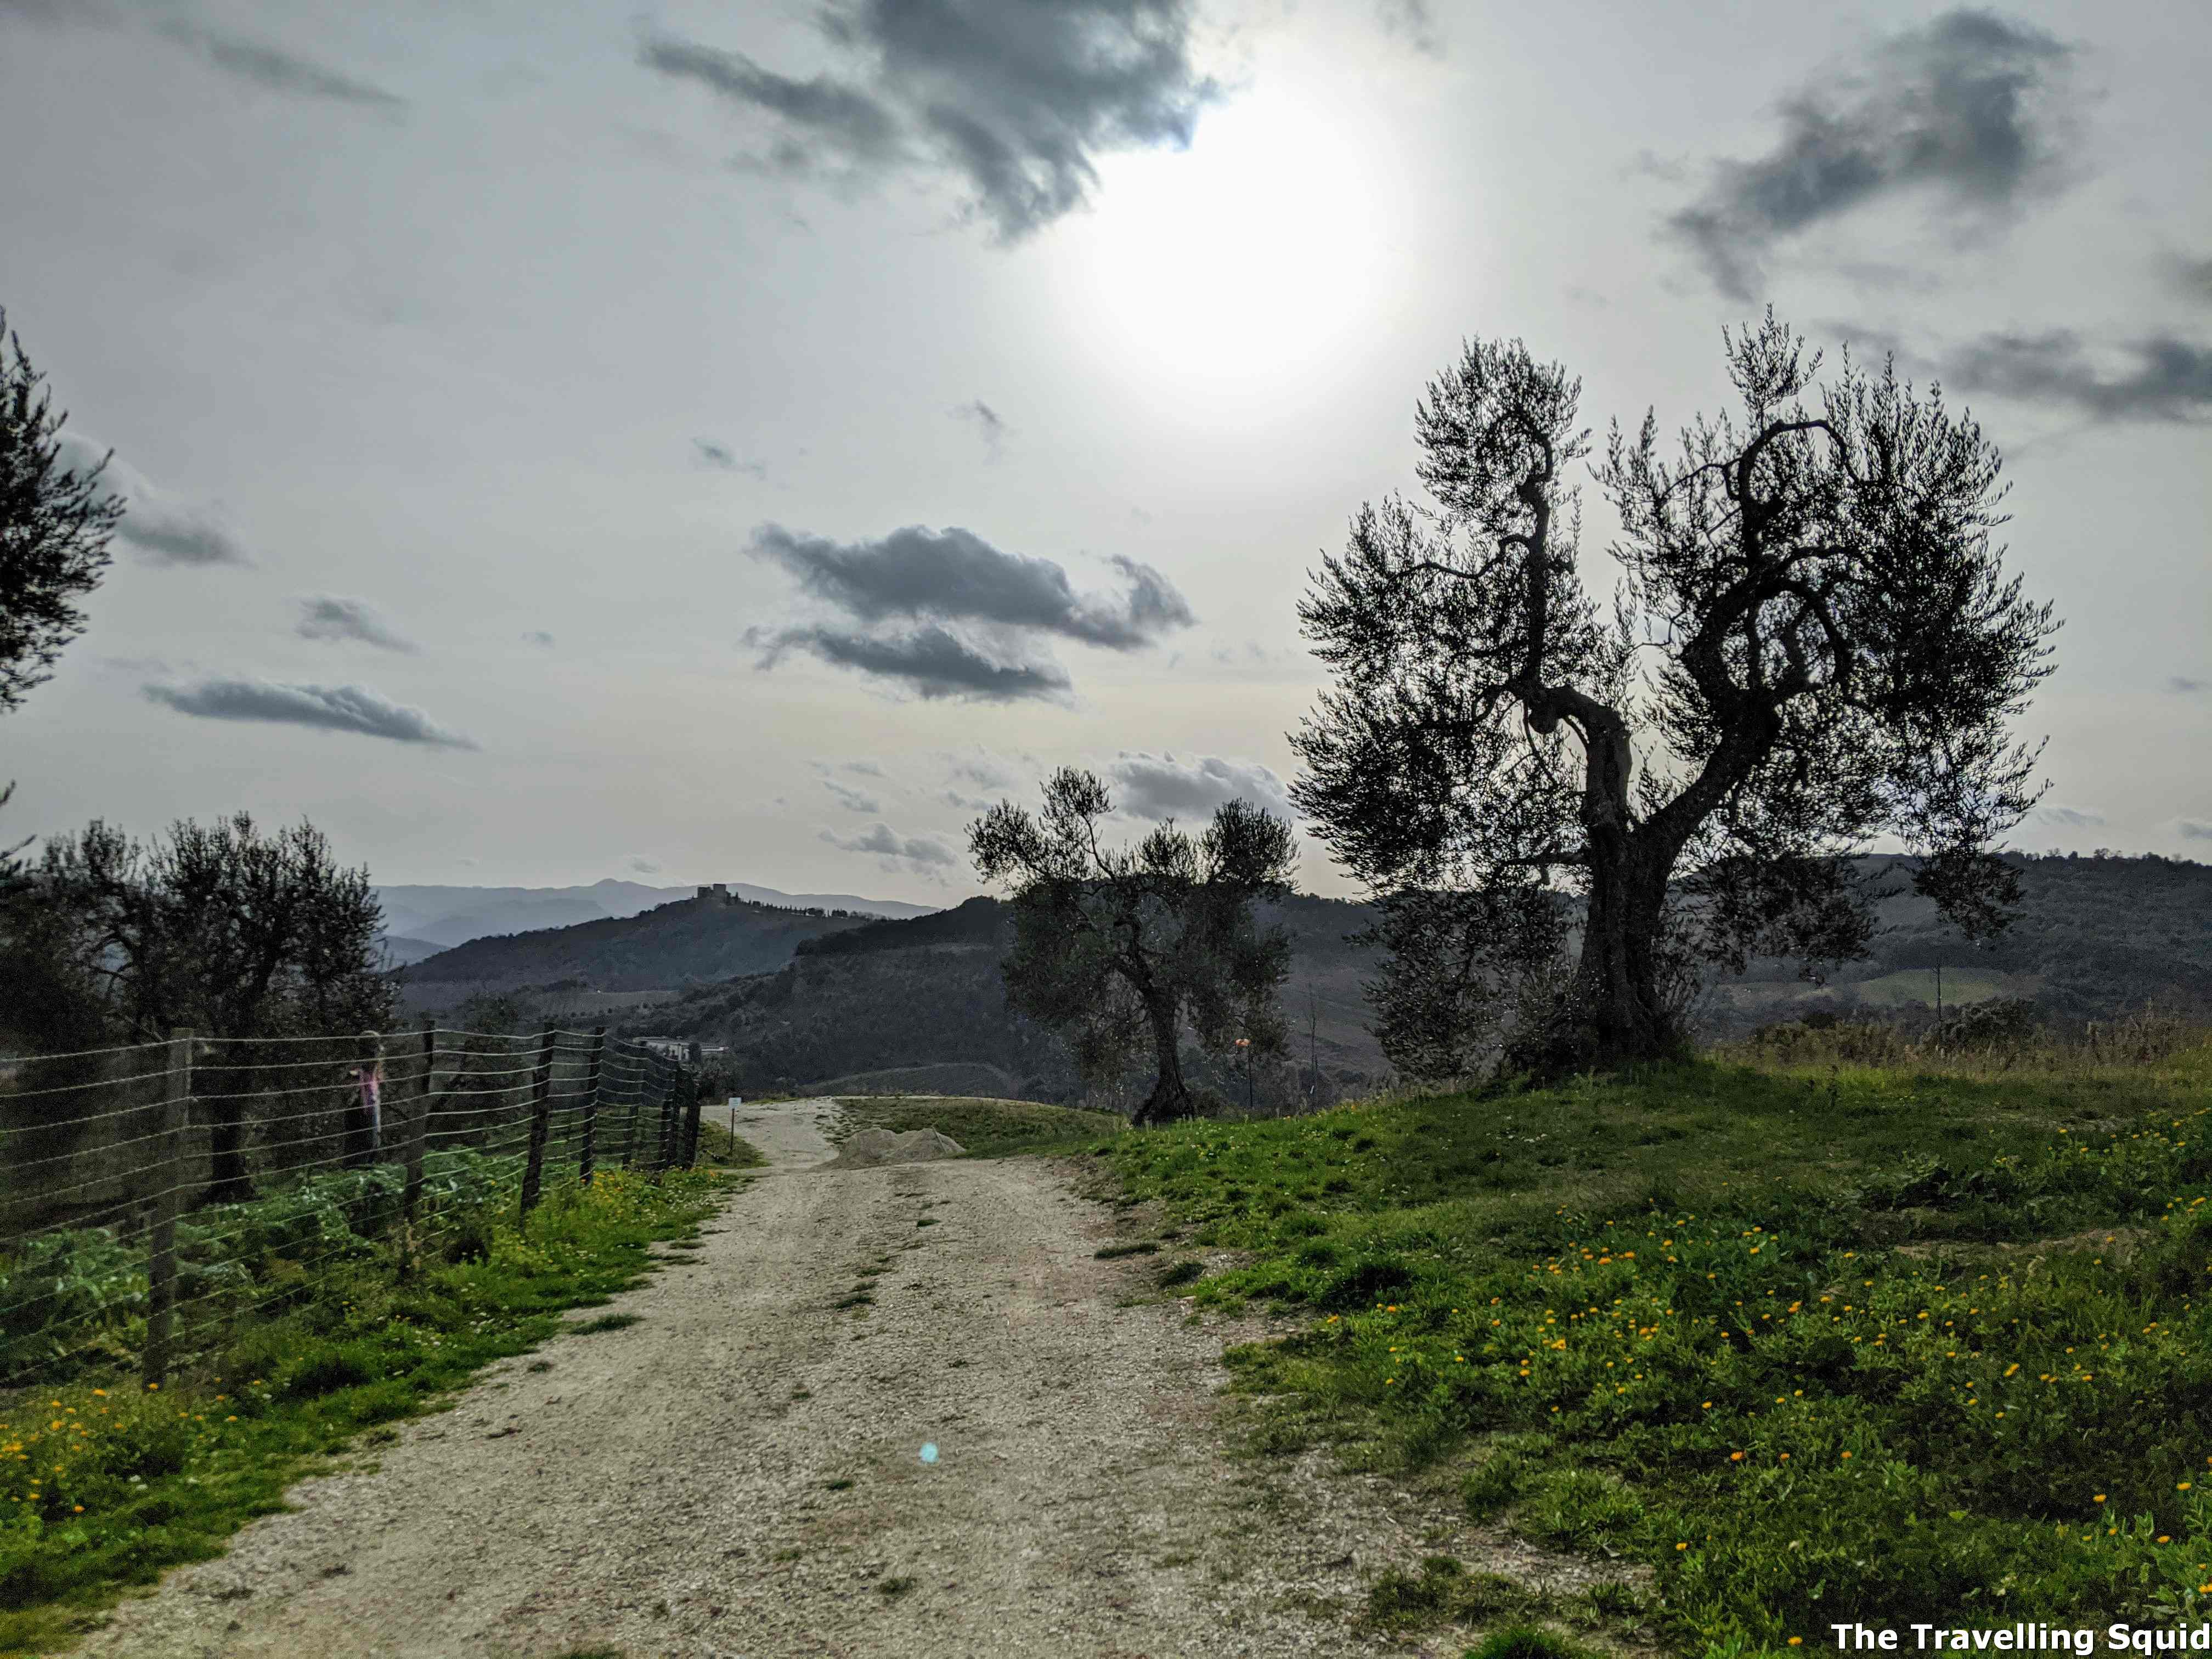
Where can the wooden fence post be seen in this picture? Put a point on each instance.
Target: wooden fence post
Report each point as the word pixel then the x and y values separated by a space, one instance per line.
pixel 592 1107
pixel 161 1241
pixel 418 1133
pixel 541 1115
pixel 690 1121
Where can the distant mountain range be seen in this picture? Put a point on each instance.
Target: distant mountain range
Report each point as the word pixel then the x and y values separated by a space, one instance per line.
pixel 891 1006
pixel 804 1001
pixel 421 922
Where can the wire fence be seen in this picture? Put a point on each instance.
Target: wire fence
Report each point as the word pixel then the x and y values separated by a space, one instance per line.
pixel 154 1196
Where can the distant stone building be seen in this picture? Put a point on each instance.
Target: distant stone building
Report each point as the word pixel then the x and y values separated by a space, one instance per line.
pixel 719 890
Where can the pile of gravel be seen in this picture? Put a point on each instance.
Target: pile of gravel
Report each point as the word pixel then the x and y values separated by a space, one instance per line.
pixel 871 1148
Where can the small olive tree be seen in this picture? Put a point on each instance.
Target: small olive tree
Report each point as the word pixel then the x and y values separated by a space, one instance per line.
pixel 227 930
pixel 1117 948
pixel 1814 644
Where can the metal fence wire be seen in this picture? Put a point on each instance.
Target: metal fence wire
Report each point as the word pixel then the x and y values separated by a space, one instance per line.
pixel 153 1196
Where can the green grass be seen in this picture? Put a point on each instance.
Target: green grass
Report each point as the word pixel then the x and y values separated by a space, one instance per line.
pixel 1811 1344
pixel 1918 985
pixel 985 1129
pixel 720 1149
pixel 614 1321
pixel 104 1483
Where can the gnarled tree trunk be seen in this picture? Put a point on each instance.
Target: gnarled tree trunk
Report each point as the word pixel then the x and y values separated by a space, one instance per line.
pixel 1171 1096
pixel 1617 1015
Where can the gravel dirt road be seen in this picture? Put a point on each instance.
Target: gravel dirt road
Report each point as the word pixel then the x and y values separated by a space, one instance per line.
pixel 742 1473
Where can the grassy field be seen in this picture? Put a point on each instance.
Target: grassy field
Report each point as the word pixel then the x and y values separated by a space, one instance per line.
pixel 719 1149
pixel 1788 1344
pixel 105 1482
pixel 1958 988
pixel 987 1128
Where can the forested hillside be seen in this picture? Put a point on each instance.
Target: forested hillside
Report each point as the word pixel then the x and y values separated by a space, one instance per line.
pixel 664 949
pixel 2095 937
pixel 897 994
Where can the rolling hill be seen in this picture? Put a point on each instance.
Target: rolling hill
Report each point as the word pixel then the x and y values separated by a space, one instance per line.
pixel 656 952
pixel 446 916
pixel 802 1001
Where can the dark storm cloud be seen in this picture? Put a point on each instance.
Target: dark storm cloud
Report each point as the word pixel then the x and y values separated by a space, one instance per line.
pixel 2195 830
pixel 1163 787
pixel 926 852
pixel 1969 103
pixel 279 71
pixel 327 617
pixel 987 421
pixel 159 525
pixel 1012 98
pixel 931 663
pixel 2168 380
pixel 330 708
pixel 955 576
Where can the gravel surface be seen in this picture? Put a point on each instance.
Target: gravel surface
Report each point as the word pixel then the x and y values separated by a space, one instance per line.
pixel 744 1472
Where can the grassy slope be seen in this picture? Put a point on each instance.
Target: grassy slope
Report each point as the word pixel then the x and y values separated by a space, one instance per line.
pixel 1772 1333
pixel 987 1128
pixel 104 1486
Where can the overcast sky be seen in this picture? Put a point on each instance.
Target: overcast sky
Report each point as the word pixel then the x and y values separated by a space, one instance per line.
pixel 741 441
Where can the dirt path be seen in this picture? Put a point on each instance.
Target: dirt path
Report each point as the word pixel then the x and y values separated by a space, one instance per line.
pixel 742 1474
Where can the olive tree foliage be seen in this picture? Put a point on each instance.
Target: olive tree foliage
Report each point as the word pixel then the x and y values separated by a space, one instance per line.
pixel 1124 948
pixel 55 524
pixel 1814 643
pixel 228 931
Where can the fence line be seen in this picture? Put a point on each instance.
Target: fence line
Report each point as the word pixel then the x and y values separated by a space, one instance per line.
pixel 153 1194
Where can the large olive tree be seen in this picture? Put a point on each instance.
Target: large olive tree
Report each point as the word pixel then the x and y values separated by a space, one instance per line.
pixel 1120 947
pixel 1813 644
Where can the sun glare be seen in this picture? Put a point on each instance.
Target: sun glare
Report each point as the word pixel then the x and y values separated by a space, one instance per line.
pixel 1240 264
